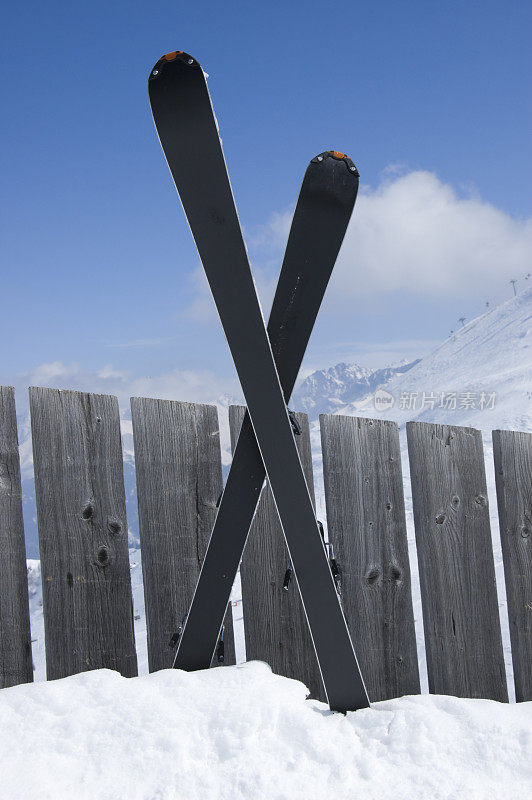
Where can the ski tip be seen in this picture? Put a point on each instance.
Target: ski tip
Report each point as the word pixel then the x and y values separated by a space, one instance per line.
pixel 337 156
pixel 176 56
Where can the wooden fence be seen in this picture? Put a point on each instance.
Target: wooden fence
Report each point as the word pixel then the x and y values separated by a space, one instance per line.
pixel 87 601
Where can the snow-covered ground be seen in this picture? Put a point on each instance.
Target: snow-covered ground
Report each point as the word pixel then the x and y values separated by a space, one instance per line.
pixel 238 733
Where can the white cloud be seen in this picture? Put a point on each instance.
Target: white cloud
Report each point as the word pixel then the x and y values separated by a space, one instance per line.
pixel 200 386
pixel 187 385
pixel 51 372
pixel 183 385
pixel 416 233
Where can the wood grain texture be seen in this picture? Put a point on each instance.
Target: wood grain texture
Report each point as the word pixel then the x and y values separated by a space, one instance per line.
pixel 81 516
pixel 512 452
pixel 15 638
pixel 276 628
pixel 366 524
pixel 179 482
pixel 457 575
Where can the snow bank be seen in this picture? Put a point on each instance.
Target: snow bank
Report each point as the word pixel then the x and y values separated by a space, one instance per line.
pixel 241 732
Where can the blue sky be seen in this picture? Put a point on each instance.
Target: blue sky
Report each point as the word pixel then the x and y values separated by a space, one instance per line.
pixel 101 282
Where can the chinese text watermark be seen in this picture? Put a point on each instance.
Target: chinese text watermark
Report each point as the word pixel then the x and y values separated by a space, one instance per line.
pixel 450 401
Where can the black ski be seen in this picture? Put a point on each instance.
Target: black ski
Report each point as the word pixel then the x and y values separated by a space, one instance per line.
pixel 187 129
pixel 323 210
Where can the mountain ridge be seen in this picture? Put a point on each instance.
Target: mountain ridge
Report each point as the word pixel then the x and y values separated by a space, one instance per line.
pixel 326 390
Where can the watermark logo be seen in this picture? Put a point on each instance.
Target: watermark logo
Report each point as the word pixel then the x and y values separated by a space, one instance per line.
pixel 450 401
pixel 383 400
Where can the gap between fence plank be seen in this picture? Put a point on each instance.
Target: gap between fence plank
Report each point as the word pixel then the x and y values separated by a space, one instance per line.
pixel 512 452
pixel 15 638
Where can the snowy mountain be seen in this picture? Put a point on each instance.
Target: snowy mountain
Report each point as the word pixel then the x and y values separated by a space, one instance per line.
pixel 327 390
pixel 480 377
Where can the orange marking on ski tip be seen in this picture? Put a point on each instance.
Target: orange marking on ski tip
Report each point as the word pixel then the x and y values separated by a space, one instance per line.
pixel 337 154
pixel 172 56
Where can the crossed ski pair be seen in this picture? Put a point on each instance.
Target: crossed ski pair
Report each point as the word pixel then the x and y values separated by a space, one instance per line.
pixel 267 363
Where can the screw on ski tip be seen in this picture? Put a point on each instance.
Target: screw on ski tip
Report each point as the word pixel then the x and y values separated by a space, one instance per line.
pixel 338 156
pixel 168 58
pixel 342 157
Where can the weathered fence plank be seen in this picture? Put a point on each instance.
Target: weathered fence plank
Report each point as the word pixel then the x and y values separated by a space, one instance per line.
pixel 512 452
pixel 15 638
pixel 276 629
pixel 457 575
pixel 367 527
pixel 81 515
pixel 179 482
